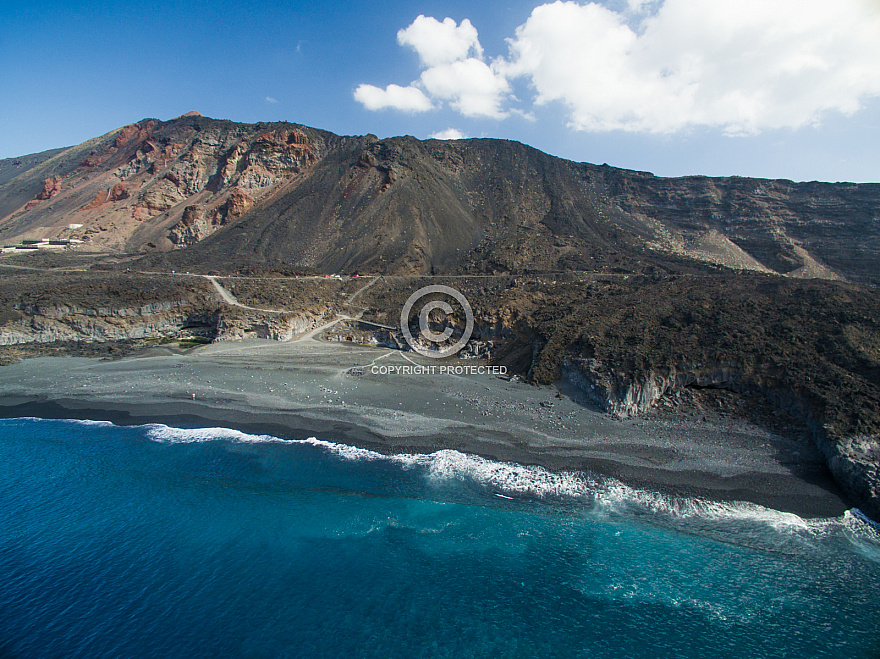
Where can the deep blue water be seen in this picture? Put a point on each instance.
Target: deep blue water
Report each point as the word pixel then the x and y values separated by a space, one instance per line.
pixel 149 541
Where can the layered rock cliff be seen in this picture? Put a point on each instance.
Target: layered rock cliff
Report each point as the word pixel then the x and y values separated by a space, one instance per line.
pixel 40 324
pixel 107 307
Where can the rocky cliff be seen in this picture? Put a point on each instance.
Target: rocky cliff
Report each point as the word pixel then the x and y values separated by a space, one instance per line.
pixel 854 460
pixel 108 307
pixel 38 324
pixel 167 320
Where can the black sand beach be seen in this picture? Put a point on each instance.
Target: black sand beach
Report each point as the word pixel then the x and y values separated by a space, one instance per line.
pixel 330 391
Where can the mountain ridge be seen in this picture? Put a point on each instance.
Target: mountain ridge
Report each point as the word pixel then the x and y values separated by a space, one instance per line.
pixel 195 190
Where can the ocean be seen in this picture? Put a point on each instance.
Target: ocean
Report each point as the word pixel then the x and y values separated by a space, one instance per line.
pixel 151 541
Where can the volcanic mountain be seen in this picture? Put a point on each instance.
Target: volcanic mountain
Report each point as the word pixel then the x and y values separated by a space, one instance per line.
pixel 195 192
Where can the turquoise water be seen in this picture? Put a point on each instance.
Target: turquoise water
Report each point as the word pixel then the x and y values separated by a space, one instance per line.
pixel 149 541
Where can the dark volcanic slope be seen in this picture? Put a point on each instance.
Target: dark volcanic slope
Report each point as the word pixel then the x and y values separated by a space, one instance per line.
pixel 206 194
pixel 12 167
pixel 406 206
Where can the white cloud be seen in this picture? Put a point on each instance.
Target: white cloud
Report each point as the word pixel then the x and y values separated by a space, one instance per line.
pixel 471 87
pixel 407 99
pixel 455 72
pixel 269 99
pixel 657 66
pixel 448 134
pixel 440 43
pixel 743 66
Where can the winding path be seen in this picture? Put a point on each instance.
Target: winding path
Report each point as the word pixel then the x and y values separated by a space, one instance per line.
pixel 229 298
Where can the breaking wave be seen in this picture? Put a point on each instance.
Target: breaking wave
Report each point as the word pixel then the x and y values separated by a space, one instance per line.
pixel 596 495
pixel 610 497
pixel 159 432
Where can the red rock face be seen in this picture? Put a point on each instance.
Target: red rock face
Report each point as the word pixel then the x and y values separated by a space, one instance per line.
pixel 145 132
pixel 134 132
pixel 116 193
pixel 51 187
pixel 141 213
pixel 125 135
pixel 129 136
pixel 294 141
pixel 271 158
pixel 294 137
pixel 156 169
pixel 97 159
pixel 99 199
pixel 119 191
pixel 237 204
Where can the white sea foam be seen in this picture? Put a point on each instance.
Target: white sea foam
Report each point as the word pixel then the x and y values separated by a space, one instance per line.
pixel 159 432
pixel 81 422
pixel 616 495
pixel 343 450
pixel 89 422
pixel 449 464
pixel 607 495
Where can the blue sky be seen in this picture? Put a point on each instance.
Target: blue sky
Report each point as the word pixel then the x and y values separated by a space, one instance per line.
pixel 771 88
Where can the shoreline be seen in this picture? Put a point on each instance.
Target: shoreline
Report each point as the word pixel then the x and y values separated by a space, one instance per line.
pixel 308 390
